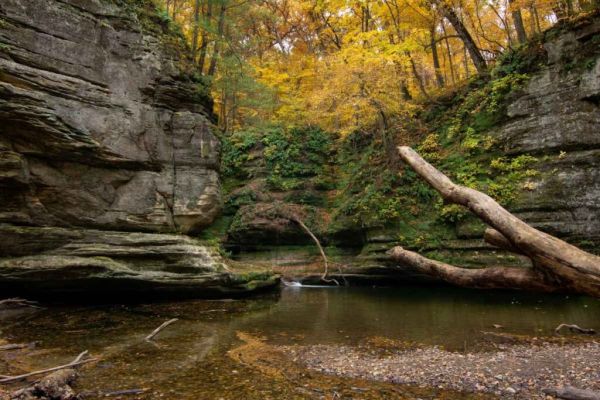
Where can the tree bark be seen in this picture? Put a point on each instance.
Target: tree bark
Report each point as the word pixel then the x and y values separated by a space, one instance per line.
pixel 566 265
pixel 448 13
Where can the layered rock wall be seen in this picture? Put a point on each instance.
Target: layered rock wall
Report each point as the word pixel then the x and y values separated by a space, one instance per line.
pixel 106 155
pixel 99 124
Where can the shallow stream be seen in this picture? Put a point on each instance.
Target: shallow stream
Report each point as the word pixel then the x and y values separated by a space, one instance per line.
pixel 190 359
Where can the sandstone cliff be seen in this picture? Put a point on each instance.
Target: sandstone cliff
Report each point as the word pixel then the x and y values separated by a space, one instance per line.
pixel 103 128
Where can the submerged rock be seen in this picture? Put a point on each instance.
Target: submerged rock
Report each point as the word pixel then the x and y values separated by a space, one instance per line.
pixel 104 131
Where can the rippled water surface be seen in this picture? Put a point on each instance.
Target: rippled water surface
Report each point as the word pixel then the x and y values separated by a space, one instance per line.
pixel 189 359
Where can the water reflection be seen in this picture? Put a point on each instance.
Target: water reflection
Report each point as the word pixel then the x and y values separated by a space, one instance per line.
pixel 190 362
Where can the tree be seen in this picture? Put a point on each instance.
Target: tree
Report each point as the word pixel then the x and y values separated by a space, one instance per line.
pixel 448 13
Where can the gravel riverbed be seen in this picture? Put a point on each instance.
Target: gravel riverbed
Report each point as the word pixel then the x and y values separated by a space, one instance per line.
pixel 518 371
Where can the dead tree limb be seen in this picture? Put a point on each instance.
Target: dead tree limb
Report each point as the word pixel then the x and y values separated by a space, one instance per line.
pixel 318 243
pixel 571 393
pixel 160 328
pixel 573 268
pixel 482 278
pixel 574 328
pixel 76 362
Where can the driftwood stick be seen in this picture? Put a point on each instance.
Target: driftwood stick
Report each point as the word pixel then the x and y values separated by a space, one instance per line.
pixel 571 393
pixel 482 278
pixel 14 346
pixel 574 328
pixel 76 362
pixel 318 243
pixel 576 269
pixel 124 392
pixel 160 328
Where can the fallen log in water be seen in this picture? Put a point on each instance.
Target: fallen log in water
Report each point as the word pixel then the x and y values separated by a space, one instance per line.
pixel 557 265
pixel 481 278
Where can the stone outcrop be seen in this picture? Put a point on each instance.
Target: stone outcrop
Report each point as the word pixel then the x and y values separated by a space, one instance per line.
pixel 99 124
pixel 557 119
pixel 103 130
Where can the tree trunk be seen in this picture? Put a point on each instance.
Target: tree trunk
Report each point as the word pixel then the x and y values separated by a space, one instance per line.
pixel 518 22
pixel 463 33
pixel 418 77
pixel 204 38
pixel 450 60
pixel 571 268
pixel 196 29
pixel 221 27
pixel 436 60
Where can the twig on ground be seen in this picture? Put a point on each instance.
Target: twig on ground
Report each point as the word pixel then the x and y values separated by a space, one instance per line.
pixel 160 328
pixel 125 392
pixel 77 361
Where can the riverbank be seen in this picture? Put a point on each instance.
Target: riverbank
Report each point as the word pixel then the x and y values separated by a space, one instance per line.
pixel 513 371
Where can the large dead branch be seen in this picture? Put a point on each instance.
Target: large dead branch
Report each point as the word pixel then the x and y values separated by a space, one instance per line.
pixel 569 266
pixel 482 278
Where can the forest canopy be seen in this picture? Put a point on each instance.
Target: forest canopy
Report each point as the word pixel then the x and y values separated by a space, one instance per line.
pixel 346 65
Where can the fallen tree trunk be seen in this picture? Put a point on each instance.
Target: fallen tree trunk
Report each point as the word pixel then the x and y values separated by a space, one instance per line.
pixel 481 278
pixel 565 265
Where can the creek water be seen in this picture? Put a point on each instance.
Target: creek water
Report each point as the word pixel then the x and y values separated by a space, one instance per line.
pixel 189 359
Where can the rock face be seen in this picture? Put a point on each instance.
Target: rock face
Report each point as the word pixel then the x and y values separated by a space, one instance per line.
pixel 557 119
pixel 103 132
pixel 99 124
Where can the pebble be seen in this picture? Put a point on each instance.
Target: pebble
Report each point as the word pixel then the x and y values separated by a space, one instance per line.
pixel 520 371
